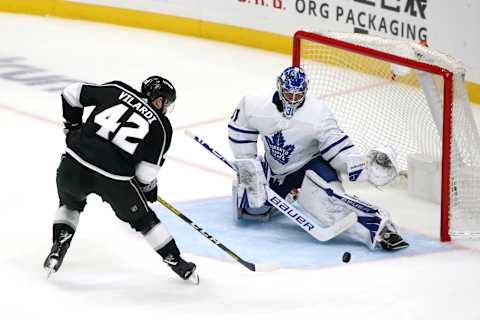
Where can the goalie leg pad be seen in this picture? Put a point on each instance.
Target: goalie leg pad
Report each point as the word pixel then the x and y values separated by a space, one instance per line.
pixel 314 199
pixel 251 183
pixel 328 202
pixel 242 211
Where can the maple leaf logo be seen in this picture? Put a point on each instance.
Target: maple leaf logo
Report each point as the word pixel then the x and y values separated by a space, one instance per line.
pixel 278 150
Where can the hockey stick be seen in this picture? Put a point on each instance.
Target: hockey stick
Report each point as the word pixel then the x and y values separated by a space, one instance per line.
pixel 301 219
pixel 262 267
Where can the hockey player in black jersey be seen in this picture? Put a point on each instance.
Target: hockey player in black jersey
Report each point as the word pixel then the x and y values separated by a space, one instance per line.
pixel 116 154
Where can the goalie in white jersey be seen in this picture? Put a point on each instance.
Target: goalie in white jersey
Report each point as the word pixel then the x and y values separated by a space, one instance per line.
pixel 305 148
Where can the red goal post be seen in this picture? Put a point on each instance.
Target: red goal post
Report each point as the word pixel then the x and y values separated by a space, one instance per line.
pixel 344 68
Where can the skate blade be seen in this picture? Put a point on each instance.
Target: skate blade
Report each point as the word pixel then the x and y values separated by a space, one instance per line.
pixel 194 278
pixel 49 272
pixel 50 268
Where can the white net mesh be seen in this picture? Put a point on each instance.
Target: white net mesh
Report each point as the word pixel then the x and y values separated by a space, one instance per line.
pixel 380 103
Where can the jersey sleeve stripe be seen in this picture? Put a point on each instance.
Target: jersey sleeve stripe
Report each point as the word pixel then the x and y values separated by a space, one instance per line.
pixel 242 130
pixel 340 151
pixel 241 141
pixel 325 150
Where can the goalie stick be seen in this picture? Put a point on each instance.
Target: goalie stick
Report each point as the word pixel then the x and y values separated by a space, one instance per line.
pixel 301 219
pixel 262 267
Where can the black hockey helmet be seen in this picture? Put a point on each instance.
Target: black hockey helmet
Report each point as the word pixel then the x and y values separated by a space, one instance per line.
pixel 156 86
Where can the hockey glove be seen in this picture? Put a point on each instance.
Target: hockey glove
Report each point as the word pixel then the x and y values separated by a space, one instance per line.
pixel 356 167
pixel 150 190
pixel 68 127
pixel 383 166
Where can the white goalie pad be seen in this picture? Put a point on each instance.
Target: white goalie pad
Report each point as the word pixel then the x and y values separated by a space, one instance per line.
pixel 315 200
pixel 263 213
pixel 251 183
pixel 382 165
pixel 328 203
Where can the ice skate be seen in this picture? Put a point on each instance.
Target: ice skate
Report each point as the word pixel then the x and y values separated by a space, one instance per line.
pixel 390 240
pixel 57 253
pixel 184 269
pixel 252 214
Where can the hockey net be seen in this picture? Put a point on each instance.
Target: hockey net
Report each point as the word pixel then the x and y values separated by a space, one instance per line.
pixel 402 94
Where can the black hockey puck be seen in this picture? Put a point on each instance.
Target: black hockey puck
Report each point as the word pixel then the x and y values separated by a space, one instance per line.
pixel 346 257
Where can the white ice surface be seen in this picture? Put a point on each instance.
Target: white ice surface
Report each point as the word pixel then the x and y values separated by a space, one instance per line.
pixel 110 271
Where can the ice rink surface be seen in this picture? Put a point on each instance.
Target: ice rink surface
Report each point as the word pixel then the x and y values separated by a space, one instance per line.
pixel 110 271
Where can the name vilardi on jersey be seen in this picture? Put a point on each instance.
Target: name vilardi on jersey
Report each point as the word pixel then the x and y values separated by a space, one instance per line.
pixel 139 106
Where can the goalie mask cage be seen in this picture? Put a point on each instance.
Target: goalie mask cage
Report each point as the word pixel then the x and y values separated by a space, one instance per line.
pixel 402 94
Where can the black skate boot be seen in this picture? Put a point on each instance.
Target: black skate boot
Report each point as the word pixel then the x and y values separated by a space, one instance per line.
pixel 57 253
pixel 186 270
pixel 390 240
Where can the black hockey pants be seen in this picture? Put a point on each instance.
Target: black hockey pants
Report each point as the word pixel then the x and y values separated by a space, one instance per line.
pixel 75 182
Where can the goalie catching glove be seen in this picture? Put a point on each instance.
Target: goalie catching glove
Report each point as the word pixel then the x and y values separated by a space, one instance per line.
pixel 382 165
pixel 379 166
